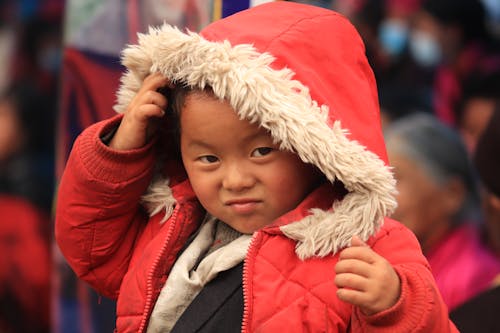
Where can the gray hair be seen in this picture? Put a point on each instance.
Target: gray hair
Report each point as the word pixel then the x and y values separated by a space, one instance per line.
pixel 439 151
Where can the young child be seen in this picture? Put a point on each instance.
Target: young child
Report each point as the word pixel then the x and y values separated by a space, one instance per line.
pixel 266 209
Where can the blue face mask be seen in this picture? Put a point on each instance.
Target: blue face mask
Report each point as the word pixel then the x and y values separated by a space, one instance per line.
pixel 393 36
pixel 492 9
pixel 425 49
pixel 493 16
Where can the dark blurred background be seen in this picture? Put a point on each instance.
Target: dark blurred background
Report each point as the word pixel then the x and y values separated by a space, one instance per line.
pixel 30 58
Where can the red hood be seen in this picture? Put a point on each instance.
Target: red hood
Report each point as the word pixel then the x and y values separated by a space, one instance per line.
pixel 300 72
pixel 326 54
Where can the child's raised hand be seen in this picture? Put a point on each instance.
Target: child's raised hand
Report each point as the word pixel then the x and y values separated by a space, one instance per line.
pixel 366 279
pixel 135 128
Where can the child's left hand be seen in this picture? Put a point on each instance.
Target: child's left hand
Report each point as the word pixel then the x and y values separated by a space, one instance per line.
pixel 366 279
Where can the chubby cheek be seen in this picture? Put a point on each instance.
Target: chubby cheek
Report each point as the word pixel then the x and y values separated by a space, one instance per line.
pixel 286 190
pixel 204 189
pixel 202 185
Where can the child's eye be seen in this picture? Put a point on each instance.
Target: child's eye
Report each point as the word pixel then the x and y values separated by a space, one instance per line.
pixel 208 159
pixel 262 151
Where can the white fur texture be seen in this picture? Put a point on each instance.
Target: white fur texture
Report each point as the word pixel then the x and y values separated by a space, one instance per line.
pixel 282 105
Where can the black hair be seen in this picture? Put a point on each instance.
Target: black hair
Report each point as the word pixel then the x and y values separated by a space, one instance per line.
pixel 36 113
pixel 480 84
pixel 470 15
pixel 171 132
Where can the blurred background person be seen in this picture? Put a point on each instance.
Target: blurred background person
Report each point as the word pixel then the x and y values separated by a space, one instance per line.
pixel 451 38
pixel 481 92
pixel 385 26
pixel 480 314
pixel 405 86
pixel 487 163
pixel 26 131
pixel 423 51
pixel 438 201
pixel 30 47
pixel 25 198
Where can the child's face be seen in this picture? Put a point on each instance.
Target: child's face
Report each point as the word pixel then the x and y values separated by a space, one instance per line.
pixel 236 171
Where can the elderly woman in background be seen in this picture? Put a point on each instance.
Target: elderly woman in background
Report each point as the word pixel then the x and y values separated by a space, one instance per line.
pixel 438 201
pixel 480 314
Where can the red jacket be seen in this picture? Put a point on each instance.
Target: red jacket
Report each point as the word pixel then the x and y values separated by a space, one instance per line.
pixel 112 245
pixel 302 74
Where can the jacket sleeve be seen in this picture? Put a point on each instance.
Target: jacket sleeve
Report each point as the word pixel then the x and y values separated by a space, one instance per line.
pixel 420 307
pixel 98 215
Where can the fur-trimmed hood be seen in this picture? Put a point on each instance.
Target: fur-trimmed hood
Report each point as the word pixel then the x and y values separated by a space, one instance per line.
pixel 300 72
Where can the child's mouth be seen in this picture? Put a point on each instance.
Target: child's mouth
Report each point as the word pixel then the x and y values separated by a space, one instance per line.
pixel 244 206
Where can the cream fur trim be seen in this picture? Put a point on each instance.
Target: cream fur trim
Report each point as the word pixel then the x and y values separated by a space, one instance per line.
pixel 282 105
pixel 159 197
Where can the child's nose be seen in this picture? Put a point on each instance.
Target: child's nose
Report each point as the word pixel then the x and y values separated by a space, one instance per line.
pixel 236 178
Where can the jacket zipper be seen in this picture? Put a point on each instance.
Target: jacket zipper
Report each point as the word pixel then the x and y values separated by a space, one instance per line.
pixel 149 280
pixel 246 283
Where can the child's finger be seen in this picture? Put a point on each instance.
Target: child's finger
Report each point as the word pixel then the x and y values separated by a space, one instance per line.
pixel 155 81
pixel 151 110
pixel 352 296
pixel 148 104
pixel 362 253
pixel 354 266
pixel 351 281
pixel 153 97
